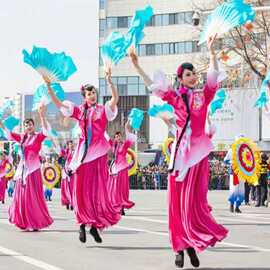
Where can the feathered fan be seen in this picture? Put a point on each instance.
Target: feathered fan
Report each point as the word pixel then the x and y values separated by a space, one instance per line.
pixel 55 66
pixel 225 17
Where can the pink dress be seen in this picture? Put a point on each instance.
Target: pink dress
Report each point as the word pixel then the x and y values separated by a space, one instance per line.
pixel 89 162
pixel 118 186
pixel 71 178
pixel 65 191
pixel 29 210
pixel 3 180
pixel 191 223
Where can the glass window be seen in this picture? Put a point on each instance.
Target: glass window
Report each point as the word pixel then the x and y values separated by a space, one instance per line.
pixel 142 50
pixel 188 47
pixel 172 18
pixel 114 80
pixel 122 80
pixel 102 27
pixel 165 48
pixel 142 89
pixel 102 82
pixel 181 18
pixel 101 4
pixel 188 17
pixel 132 89
pixel 180 47
pixel 112 22
pixel 158 20
pixel 133 80
pixel 122 89
pixel 102 90
pixel 158 49
pixel 172 50
pixel 122 22
pixel 129 21
pixel 165 19
pixel 150 49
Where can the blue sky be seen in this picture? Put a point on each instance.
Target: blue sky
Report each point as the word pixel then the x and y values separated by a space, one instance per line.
pixel 58 25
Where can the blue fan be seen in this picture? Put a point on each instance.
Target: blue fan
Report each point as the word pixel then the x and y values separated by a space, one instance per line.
pixel 2 134
pixel 263 98
pixel 218 101
pixel 116 45
pixel 55 66
pixel 113 49
pixel 48 143
pixel 161 111
pixel 11 122
pixel 225 17
pixel 41 94
pixel 6 109
pixel 138 22
pixel 136 118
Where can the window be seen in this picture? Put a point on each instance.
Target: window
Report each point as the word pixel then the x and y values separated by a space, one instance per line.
pixel 188 17
pixel 133 80
pixel 112 22
pixel 165 48
pixel 172 18
pixel 165 19
pixel 101 4
pixel 142 89
pixel 188 47
pixel 102 27
pixel 180 48
pixel 158 49
pixel 150 49
pixel 180 18
pixel 133 89
pixel 158 20
pixel 142 50
pixel 122 22
pixel 172 49
pixel 122 89
pixel 151 22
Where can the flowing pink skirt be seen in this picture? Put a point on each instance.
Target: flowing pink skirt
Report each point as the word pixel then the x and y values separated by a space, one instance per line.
pixel 3 186
pixel 190 221
pixel 65 192
pixel 92 204
pixel 29 210
pixel 118 188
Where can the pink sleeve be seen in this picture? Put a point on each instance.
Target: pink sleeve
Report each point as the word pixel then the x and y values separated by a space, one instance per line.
pixel 14 137
pixel 40 137
pixel 214 77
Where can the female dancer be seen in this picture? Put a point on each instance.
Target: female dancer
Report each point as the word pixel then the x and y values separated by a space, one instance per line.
pixel 29 210
pixel 191 225
pixel 89 163
pixel 3 180
pixel 118 186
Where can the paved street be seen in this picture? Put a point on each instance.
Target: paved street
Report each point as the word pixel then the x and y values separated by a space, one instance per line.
pixel 139 241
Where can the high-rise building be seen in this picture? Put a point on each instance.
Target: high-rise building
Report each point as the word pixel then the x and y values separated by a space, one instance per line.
pixel 170 39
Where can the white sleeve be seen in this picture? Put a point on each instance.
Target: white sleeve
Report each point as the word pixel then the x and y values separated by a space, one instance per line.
pixel 68 109
pixel 160 84
pixel 131 136
pixel 111 115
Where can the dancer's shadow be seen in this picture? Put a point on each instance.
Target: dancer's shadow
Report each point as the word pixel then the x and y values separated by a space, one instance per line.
pixel 121 232
pixel 130 248
pixel 233 250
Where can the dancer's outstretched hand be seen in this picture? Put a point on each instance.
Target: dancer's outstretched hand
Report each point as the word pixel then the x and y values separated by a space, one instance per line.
pixel 108 75
pixel 42 110
pixel 210 44
pixel 46 80
pixel 133 57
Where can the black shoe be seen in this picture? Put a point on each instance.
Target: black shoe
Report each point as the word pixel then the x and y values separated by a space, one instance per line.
pixel 123 212
pixel 237 210
pixel 3 202
pixel 71 208
pixel 35 230
pixel 179 259
pixel 194 260
pixel 67 206
pixel 95 234
pixel 231 208
pixel 82 235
